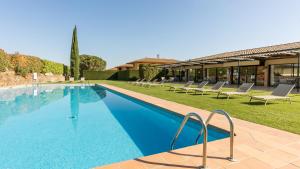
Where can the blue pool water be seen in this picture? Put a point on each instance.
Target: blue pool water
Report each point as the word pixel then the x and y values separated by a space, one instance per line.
pixel 82 127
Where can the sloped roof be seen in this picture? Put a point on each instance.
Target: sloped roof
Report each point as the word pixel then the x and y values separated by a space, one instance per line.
pixel 279 51
pixel 124 65
pixel 154 60
pixel 253 51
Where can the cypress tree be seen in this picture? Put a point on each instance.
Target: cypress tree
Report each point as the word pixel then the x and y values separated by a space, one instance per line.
pixel 75 60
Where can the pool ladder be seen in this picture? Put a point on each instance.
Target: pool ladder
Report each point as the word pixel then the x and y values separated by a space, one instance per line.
pixel 204 131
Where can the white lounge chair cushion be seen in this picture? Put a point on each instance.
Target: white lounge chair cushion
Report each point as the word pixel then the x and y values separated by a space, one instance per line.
pixel 177 87
pixel 207 90
pixel 189 88
pixel 270 97
pixel 154 84
pixel 234 93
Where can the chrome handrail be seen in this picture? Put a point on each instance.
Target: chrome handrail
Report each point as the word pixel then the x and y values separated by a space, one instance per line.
pixel 222 112
pixel 204 130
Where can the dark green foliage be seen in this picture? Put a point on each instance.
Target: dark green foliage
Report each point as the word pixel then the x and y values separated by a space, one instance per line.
pixel 92 63
pixel 52 67
pixel 100 75
pixel 75 60
pixel 20 70
pixel 66 71
pixel 149 72
pixel 4 61
pixel 141 71
pixel 165 73
pixel 128 75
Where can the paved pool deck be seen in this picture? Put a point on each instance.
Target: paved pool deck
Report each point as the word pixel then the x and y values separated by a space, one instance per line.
pixel 255 146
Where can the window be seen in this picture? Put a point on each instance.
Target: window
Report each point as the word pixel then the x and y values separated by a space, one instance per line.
pixel 247 74
pixel 222 74
pixel 211 75
pixel 285 73
pixel 199 75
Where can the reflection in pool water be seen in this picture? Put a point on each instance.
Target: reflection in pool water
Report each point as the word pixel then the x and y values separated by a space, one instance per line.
pixel 83 127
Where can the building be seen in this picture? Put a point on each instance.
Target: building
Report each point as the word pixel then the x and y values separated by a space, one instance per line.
pixel 123 67
pixel 264 66
pixel 134 65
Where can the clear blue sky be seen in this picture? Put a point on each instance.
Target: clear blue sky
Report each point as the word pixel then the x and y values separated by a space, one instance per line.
pixel 124 30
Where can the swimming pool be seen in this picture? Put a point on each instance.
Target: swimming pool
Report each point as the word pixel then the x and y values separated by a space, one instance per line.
pixel 79 127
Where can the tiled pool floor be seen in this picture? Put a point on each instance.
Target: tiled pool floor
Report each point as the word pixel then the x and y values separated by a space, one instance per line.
pixel 255 147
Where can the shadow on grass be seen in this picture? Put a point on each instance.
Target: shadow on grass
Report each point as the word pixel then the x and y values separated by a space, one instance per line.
pixel 258 103
pixel 181 92
pixel 199 94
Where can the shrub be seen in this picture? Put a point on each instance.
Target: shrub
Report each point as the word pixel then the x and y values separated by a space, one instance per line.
pixel 23 71
pixel 100 75
pixel 26 64
pixel 52 67
pixel 4 61
pixel 91 63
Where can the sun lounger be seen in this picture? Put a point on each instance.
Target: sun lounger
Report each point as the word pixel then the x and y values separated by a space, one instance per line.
pixel 137 83
pixel 216 88
pixel 199 86
pixel 242 90
pixel 174 88
pixel 148 82
pixel 131 82
pixel 161 83
pixel 281 92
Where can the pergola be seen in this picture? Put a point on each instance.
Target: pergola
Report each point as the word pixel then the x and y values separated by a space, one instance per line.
pixel 290 50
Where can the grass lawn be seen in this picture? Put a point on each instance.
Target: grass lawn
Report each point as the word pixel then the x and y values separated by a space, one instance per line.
pixel 279 114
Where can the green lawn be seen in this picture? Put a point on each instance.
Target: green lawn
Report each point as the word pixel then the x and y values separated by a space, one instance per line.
pixel 279 114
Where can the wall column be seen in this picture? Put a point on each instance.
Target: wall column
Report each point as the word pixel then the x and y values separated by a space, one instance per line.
pixel 266 73
pixel 228 70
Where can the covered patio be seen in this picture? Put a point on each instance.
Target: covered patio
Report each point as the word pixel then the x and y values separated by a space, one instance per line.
pixel 265 66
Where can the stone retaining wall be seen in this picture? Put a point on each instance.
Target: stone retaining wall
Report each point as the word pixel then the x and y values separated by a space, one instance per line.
pixel 10 78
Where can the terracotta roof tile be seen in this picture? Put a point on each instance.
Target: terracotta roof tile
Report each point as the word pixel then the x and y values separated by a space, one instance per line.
pixel 124 65
pixel 154 60
pixel 267 49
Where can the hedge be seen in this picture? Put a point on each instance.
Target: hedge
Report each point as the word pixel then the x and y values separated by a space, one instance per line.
pixel 52 67
pixel 100 75
pixel 128 75
pixel 24 64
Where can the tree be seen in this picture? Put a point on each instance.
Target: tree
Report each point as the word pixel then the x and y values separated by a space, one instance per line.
pixel 89 62
pixel 75 60
pixel 148 72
